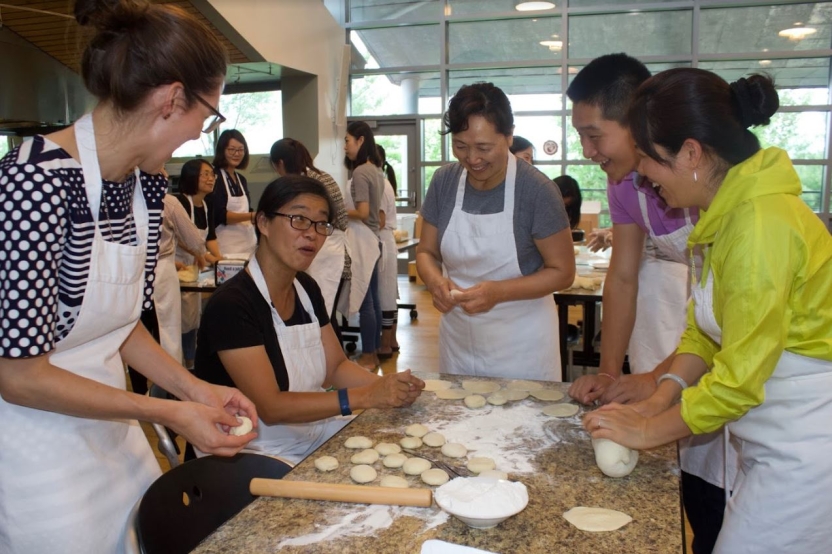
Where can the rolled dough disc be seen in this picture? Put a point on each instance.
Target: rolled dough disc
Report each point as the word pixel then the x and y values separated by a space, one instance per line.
pixel 326 463
pixel 596 520
pixel 524 385
pixel 452 394
pixel 394 482
pixel 515 395
pixel 549 395
pixel 561 410
pixel 497 399
pixel 481 387
pixel 358 443
pixel 433 385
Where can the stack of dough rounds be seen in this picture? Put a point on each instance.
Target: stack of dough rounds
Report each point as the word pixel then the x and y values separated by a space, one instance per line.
pixel 416 430
pixel 363 474
pixel 386 448
pixel 475 401
pixel 434 477
pixel 415 466
pixel 394 482
pixel 434 439
pixel 454 450
pixel 358 443
pixel 368 456
pixel 411 443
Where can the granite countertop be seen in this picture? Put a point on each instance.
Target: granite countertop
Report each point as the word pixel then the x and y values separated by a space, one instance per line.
pixel 552 457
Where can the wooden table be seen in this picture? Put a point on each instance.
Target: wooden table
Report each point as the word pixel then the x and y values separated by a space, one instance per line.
pixel 590 301
pixel 552 457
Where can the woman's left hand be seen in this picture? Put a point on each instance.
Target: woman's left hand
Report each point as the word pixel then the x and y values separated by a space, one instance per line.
pixel 620 424
pixel 480 298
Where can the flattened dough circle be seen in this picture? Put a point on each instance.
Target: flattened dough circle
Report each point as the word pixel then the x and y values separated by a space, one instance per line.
pixel 415 466
pixel 524 385
pixel 386 448
pixel 434 477
pixel 596 520
pixel 479 464
pixel 363 474
pixel 454 450
pixel 326 463
pixel 411 442
pixel 481 387
pixel 433 385
pixel 416 430
pixel 394 460
pixel 452 394
pixel 561 410
pixel 548 395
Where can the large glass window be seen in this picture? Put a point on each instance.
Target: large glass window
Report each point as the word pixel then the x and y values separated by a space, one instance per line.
pixel 395 94
pixel 528 88
pixel 637 33
pixel 801 134
pixel 370 10
pixel 538 129
pixel 509 40
pixel 397 46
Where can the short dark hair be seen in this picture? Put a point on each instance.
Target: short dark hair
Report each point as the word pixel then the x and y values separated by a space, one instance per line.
pixel 482 99
pixel 283 190
pixel 569 188
pixel 367 150
pixel 220 159
pixel 294 155
pixel 609 82
pixel 684 103
pixel 519 144
pixel 189 176
pixel 139 46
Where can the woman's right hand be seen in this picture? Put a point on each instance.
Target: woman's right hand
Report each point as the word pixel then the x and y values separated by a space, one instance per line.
pixel 397 390
pixel 203 426
pixel 440 290
pixel 599 239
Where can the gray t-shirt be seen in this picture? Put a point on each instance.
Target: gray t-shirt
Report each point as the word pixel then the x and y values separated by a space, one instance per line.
pixel 368 186
pixel 538 207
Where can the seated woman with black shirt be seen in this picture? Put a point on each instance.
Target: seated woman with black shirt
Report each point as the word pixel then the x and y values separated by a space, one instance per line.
pixel 267 330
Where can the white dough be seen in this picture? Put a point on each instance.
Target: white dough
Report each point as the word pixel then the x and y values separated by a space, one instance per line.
pixel 480 464
pixel 358 443
pixel 326 463
pixel 385 448
pixel 368 456
pixel 561 410
pixel 494 474
pixel 363 474
pixel 394 482
pixel 433 385
pixel 613 459
pixel 524 385
pixel 549 395
pixel 515 395
pixel 411 442
pixel 452 394
pixel 434 439
pixel 497 399
pixel 244 427
pixel 481 387
pixel 394 460
pixel 415 466
pixel 416 430
pixel 434 477
pixel 475 401
pixel 456 293
pixel 596 520
pixel 454 450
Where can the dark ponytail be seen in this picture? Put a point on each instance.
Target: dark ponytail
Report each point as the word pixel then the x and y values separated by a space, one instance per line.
pixel 294 155
pixel 387 168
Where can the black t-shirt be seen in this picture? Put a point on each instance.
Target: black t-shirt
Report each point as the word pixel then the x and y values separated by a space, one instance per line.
pixel 237 316
pixel 203 218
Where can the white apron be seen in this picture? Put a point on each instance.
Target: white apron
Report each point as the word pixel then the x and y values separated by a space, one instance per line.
pixel 167 299
pixel 328 266
pixel 238 238
pixel 303 354
pixel 67 484
pixel 362 245
pixel 780 500
pixel 516 339
pixel 191 301
pixel 388 285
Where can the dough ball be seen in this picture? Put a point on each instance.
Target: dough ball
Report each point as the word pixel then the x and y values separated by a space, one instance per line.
pixel 481 387
pixel 452 394
pixel 363 474
pixel 497 399
pixel 516 395
pixel 433 385
pixel 524 385
pixel 394 482
pixel 480 464
pixel 326 463
pixel 368 456
pixel 455 293
pixel 613 459
pixel 416 430
pixel 494 474
pixel 596 520
pixel 561 410
pixel 415 466
pixel 475 401
pixel 385 448
pixel 434 439
pixel 244 427
pixel 454 450
pixel 394 460
pixel 434 477
pixel 548 395
pixel 411 443
pixel 358 443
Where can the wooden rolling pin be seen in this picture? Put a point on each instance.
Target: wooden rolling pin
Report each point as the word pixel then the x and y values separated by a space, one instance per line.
pixel 341 493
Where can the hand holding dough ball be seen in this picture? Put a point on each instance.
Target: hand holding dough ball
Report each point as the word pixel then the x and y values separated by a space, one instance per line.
pixel 385 448
pixel 613 459
pixel 416 430
pixel 411 443
pixel 358 443
pixel 434 477
pixel 415 466
pixel 243 428
pixel 363 474
pixel 368 456
pixel 456 293
pixel 394 482
pixel 326 463
pixel 434 439
pixel 475 401
pixel 394 460
pixel 454 450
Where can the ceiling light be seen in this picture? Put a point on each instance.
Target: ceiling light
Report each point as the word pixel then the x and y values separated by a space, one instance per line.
pixel 534 6
pixel 765 62
pixel 553 45
pixel 798 32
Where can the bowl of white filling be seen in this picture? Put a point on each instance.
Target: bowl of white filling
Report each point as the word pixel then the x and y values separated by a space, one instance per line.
pixel 482 502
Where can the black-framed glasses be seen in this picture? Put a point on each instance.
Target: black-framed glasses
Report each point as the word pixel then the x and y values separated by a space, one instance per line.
pixel 302 223
pixel 212 121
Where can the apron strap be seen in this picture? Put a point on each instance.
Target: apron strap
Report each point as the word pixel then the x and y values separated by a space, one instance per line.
pixel 642 203
pixel 260 282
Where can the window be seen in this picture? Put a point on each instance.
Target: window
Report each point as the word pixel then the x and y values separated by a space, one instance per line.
pixel 5 146
pixel 395 94
pixel 514 40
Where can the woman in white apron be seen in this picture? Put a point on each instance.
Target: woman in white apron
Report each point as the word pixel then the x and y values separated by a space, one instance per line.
pixel 498 321
pixel 267 331
pixel 74 459
pixel 232 203
pixel 757 354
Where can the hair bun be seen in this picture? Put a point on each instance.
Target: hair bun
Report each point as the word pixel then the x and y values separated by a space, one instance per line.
pixel 109 15
pixel 756 100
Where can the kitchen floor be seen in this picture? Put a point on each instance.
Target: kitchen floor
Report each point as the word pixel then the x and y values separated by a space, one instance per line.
pixel 419 350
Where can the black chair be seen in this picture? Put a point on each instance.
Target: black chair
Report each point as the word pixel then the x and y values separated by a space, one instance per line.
pixel 191 501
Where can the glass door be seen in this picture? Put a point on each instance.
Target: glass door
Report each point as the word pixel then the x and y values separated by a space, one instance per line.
pixel 399 140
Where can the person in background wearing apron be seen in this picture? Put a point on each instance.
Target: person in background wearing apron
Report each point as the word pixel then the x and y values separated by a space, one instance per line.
pixel 77 269
pixel 331 267
pixel 646 287
pixel 388 274
pixel 233 215
pixel 196 183
pixel 757 352
pixel 267 330
pixel 366 188
pixel 494 248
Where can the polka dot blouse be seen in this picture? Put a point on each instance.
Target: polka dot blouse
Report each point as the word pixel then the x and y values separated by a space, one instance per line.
pixel 46 233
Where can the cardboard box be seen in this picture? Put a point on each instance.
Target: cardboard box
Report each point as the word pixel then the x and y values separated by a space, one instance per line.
pixel 413 275
pixel 590 213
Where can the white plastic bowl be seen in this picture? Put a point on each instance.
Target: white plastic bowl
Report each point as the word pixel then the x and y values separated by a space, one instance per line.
pixel 478 522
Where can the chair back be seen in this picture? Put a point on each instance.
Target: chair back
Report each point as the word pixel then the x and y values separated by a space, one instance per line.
pixel 191 501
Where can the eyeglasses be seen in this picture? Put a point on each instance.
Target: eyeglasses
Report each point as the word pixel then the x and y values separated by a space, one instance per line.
pixel 302 223
pixel 207 174
pixel 212 121
pixel 233 151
